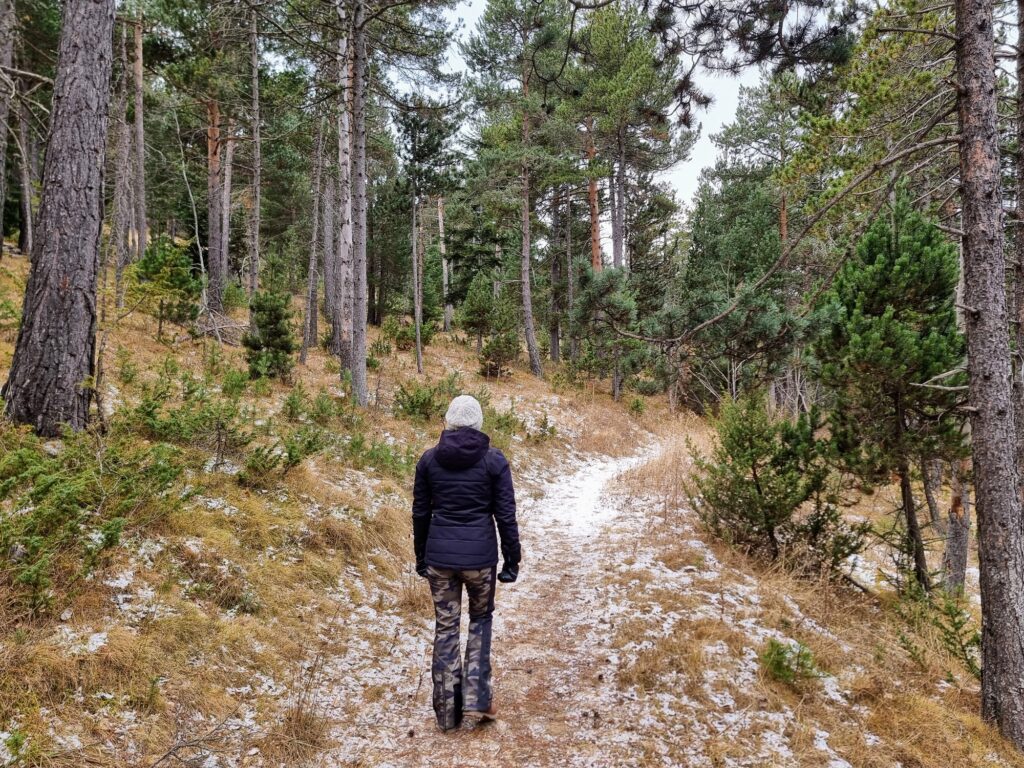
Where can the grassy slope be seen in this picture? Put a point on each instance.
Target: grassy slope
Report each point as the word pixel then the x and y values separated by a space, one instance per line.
pixel 209 623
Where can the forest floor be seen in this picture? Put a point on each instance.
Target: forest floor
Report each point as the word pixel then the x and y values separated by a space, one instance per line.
pixel 284 626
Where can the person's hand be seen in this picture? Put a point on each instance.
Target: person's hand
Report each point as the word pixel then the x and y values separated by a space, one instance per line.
pixel 421 568
pixel 508 574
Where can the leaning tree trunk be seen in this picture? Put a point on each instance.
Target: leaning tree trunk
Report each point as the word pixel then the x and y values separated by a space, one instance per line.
pixel 312 310
pixel 954 558
pixel 54 356
pixel 359 389
pixel 6 97
pixel 257 157
pixel 140 145
pixel 214 269
pixel 993 429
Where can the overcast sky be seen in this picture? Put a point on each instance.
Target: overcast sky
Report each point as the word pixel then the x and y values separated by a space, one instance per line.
pixel 724 89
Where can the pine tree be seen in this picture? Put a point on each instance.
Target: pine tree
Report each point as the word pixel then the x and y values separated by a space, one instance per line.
pixel 891 330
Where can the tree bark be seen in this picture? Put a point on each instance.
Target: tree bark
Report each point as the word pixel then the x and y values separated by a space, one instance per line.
pixel 570 282
pixel 329 251
pixel 214 269
pixel 554 324
pixel 225 221
pixel 1018 239
pixel 7 22
pixel 954 558
pixel 618 182
pixel 993 428
pixel 312 310
pixel 931 475
pixel 26 225
pixel 595 215
pixel 359 388
pixel 121 139
pixel 257 157
pixel 417 285
pixel 449 310
pixel 53 364
pixel 141 232
pixel 342 321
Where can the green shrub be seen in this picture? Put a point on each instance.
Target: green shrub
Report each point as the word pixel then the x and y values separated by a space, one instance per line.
pixel 418 402
pixel 234 383
pixel 261 464
pixel 403 334
pixel 127 370
pixel 788 663
pixel 168 287
pixel 647 387
pixel 75 503
pixel 637 406
pixel 380 348
pixel 294 406
pixel 323 409
pixel 761 472
pixel 235 296
pixel 269 343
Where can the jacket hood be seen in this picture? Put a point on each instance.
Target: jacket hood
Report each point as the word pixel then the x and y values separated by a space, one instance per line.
pixel 461 448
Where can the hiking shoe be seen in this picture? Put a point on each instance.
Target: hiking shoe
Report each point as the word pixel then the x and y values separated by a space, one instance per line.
pixel 489 714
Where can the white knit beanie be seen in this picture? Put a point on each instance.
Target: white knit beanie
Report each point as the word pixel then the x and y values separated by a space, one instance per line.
pixel 465 411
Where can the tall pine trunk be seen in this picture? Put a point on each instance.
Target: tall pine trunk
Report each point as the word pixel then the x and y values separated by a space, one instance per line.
pixel 140 144
pixel 359 388
pixel 25 148
pixel 255 221
pixel 596 262
pixel 343 305
pixel 54 356
pixel 993 429
pixel 6 96
pixel 554 321
pixel 617 194
pixel 525 261
pixel 309 333
pixel 570 281
pixel 214 270
pixel 225 199
pixel 121 141
pixel 417 284
pixel 449 310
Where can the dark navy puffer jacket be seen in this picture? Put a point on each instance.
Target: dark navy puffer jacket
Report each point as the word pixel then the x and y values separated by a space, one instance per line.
pixel 463 487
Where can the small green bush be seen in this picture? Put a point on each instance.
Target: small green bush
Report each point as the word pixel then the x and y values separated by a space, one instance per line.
pixel 234 383
pixel 167 284
pixel 235 296
pixel 788 663
pixel 637 406
pixel 760 474
pixel 294 406
pixel 75 503
pixel 269 343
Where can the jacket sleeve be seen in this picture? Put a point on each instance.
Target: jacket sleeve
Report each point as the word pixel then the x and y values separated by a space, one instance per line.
pixel 422 509
pixel 505 510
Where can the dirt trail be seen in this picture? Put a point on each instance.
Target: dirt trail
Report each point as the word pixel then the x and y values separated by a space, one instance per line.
pixel 552 658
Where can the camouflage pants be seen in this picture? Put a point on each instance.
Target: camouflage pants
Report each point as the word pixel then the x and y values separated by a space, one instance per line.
pixel 459 685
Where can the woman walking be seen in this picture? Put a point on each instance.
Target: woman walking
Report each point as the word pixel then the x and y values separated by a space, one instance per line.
pixel 462 488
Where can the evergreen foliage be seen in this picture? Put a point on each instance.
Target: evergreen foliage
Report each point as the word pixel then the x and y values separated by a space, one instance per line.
pixel 270 343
